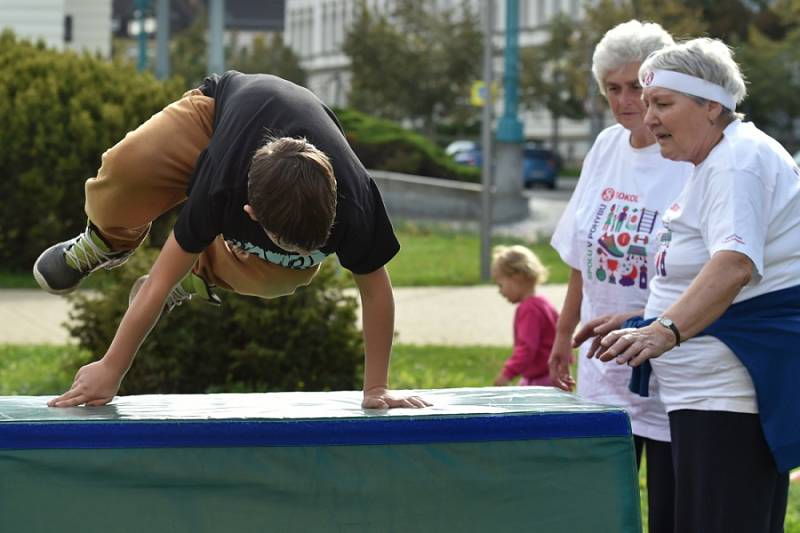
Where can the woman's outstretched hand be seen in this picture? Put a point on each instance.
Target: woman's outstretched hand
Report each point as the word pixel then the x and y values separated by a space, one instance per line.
pixel 635 346
pixel 598 328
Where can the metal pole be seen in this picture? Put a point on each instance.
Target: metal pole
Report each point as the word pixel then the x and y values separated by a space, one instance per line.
pixel 216 46
pixel 141 7
pixel 486 142
pixel 509 127
pixel 162 39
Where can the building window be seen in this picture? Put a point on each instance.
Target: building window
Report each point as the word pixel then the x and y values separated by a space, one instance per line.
pixel 68 28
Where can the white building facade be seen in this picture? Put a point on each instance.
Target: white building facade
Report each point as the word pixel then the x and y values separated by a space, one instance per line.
pixel 315 30
pixel 78 25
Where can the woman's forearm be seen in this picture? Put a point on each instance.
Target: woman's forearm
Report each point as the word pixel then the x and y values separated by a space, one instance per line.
pixel 570 314
pixel 711 292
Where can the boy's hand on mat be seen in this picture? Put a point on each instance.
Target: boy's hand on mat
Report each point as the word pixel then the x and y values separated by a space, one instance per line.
pixel 379 398
pixel 94 384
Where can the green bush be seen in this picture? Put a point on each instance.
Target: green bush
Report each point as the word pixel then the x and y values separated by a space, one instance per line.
pixel 384 145
pixel 308 341
pixel 60 112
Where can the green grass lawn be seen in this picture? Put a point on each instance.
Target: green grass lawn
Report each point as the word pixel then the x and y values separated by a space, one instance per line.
pixel 430 255
pixel 48 370
pixel 17 280
pixel 433 255
pixel 38 370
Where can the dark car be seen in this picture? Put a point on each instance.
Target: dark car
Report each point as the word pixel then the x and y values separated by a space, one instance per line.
pixel 539 165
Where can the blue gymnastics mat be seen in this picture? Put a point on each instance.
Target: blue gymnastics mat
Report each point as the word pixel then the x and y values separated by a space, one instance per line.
pixel 479 459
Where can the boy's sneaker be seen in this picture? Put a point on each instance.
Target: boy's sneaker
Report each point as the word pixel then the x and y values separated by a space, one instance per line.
pixel 62 267
pixel 190 286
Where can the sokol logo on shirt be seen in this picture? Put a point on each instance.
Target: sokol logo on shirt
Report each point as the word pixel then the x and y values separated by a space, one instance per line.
pixel 609 194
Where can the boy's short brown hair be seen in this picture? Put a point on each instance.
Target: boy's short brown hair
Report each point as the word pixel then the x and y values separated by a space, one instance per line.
pixel 292 189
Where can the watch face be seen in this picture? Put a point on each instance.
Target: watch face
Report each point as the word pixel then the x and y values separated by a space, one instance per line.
pixel 665 322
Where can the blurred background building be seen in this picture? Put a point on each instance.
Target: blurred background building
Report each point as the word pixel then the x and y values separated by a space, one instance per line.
pixel 314 29
pixel 79 25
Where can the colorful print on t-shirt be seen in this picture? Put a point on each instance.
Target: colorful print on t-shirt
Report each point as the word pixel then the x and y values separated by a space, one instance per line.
pixel 616 247
pixel 665 238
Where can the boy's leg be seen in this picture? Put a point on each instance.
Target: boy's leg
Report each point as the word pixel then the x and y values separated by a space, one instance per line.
pixel 141 177
pixel 725 477
pixel 147 173
pixel 236 270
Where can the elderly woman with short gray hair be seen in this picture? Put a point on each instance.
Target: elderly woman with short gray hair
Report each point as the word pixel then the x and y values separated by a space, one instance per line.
pixel 607 236
pixel 725 304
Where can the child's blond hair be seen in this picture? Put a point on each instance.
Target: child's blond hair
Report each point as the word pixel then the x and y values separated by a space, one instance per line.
pixel 517 259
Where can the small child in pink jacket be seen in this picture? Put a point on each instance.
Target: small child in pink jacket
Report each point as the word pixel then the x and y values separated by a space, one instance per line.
pixel 517 271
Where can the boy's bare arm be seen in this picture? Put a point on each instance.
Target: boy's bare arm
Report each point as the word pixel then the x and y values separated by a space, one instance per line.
pixel 377 303
pixel 98 382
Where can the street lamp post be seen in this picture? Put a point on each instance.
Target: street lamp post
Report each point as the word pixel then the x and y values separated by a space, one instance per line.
pixel 216 29
pixel 141 7
pixel 509 202
pixel 486 140
pixel 162 39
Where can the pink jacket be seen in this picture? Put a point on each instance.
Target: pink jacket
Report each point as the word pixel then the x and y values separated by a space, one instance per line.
pixel 534 332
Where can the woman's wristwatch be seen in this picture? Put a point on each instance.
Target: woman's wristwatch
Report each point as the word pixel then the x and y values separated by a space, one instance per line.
pixel 670 325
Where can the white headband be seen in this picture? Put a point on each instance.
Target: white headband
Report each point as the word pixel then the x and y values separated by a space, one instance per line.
pixel 685 83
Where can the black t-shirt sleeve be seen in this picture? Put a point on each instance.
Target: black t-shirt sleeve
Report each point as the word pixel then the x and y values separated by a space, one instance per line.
pixel 209 85
pixel 197 226
pixel 368 242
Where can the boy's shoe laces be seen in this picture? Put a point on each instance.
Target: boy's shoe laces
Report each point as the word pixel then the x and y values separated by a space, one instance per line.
pixel 176 297
pixel 86 256
pixel 189 287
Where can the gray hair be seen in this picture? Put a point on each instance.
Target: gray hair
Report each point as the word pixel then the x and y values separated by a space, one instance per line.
pixel 624 44
pixel 704 58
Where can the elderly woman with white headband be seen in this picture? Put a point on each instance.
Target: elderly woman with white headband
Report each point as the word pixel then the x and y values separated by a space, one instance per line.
pixel 726 299
pixel 607 235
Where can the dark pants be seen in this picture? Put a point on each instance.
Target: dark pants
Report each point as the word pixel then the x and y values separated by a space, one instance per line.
pixel 726 480
pixel 660 483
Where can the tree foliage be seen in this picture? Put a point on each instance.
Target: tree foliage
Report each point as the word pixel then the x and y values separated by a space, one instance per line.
pixel 416 62
pixel 386 145
pixel 556 74
pixel 552 76
pixel 267 54
pixel 764 34
pixel 772 68
pixel 60 112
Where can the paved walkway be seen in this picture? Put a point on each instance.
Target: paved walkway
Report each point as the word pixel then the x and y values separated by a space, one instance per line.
pixel 436 315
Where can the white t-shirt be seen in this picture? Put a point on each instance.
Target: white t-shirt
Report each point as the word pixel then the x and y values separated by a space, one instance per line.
pixel 608 232
pixel 744 197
